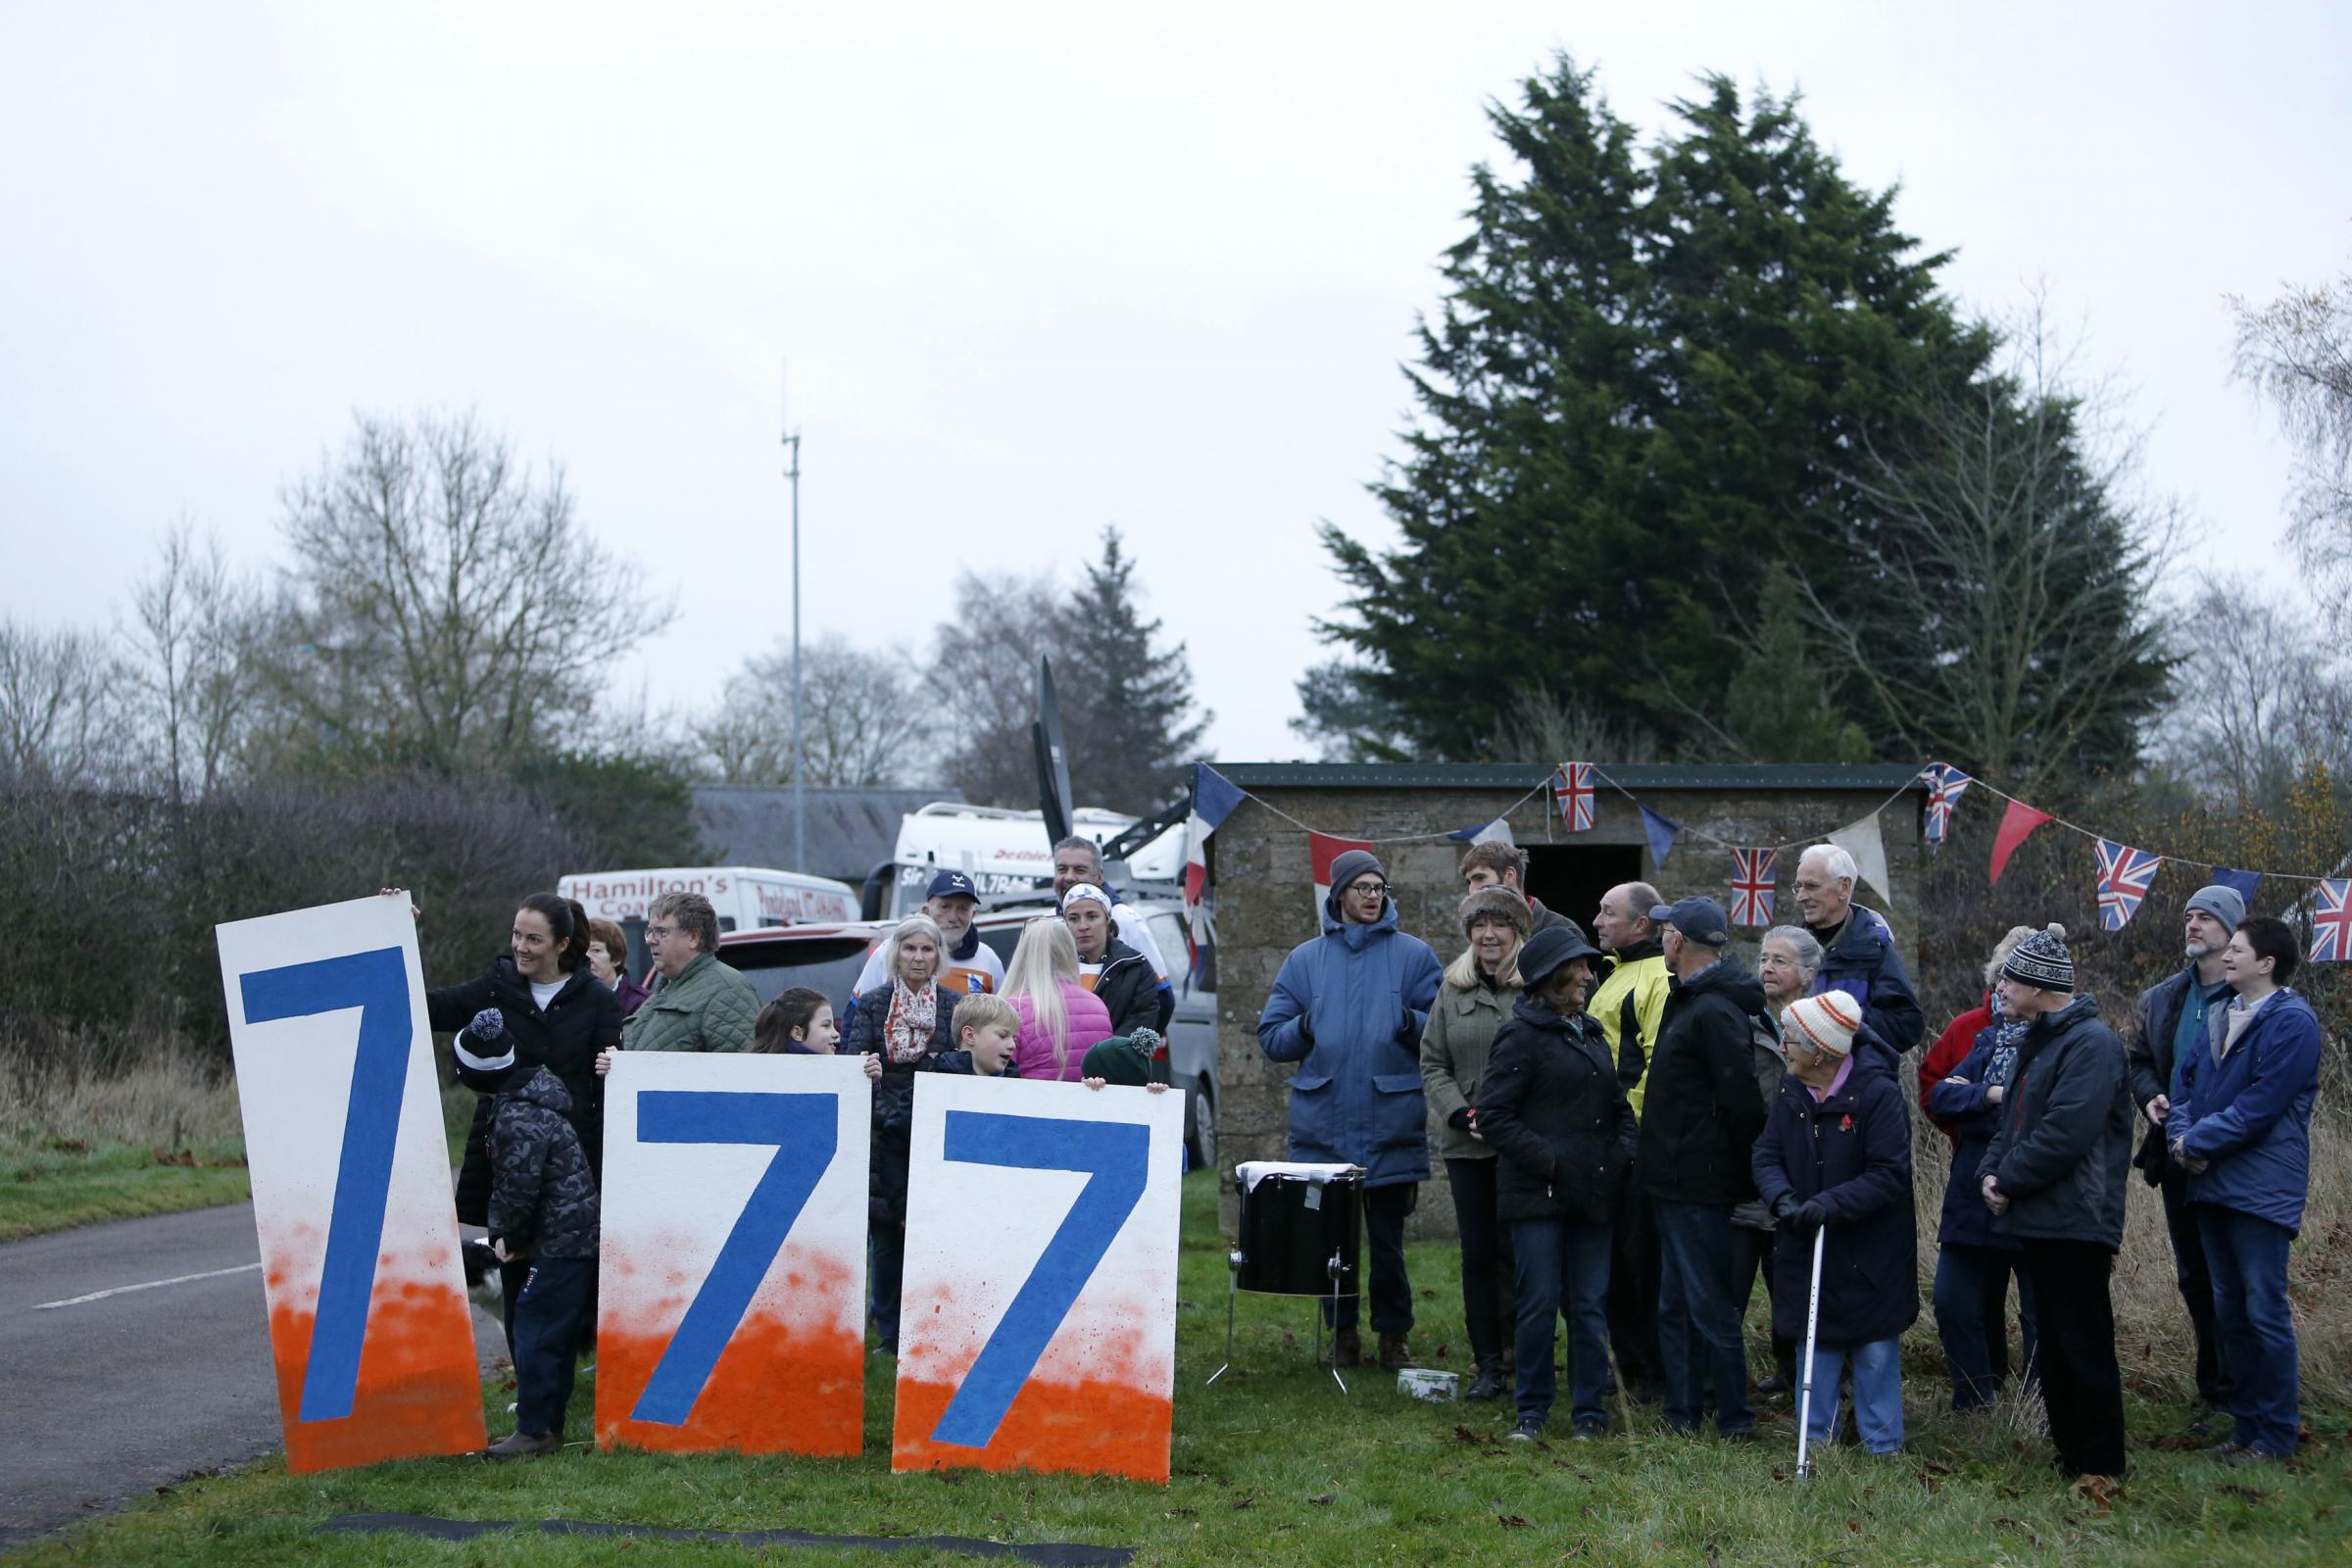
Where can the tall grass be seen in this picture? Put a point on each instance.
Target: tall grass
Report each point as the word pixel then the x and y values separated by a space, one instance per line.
pixel 2153 1341
pixel 122 1087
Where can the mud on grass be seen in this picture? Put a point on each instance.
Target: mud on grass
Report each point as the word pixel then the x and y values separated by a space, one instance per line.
pixel 1274 1465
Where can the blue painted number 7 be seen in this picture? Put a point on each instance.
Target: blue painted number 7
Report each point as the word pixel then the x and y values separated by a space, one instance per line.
pixel 1115 1157
pixel 806 1129
pixel 378 984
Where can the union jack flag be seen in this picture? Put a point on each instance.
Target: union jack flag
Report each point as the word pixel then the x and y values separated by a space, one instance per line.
pixel 1571 789
pixel 1755 875
pixel 1946 785
pixel 2331 922
pixel 2125 874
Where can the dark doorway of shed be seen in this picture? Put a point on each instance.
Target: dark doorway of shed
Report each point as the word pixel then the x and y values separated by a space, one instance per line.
pixel 1572 877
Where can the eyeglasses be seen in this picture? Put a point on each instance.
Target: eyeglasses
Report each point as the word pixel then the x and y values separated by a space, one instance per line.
pixel 654 933
pixel 1367 885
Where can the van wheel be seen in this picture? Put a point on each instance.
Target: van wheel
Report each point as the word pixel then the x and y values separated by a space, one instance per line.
pixel 1200 1140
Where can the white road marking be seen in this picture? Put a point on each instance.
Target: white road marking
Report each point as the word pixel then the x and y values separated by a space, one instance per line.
pixel 147 1285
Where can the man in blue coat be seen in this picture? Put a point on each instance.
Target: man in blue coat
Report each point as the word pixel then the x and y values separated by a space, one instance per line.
pixel 2240 1127
pixel 1858 955
pixel 1349 1006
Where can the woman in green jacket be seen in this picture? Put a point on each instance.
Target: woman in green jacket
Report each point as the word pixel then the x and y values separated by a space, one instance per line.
pixel 1476 997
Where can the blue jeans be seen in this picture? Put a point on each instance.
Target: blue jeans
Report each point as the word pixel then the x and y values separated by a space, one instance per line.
pixel 1878 1370
pixel 2247 1257
pixel 1699 1333
pixel 550 1315
pixel 1553 1263
pixel 1972 1318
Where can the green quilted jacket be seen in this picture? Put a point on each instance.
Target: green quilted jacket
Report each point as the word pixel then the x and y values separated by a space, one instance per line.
pixel 709 1006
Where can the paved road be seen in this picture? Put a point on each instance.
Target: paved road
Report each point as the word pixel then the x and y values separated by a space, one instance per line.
pixel 105 1399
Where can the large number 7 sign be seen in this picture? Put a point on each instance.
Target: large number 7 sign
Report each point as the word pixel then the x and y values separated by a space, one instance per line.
pixel 731 1299
pixel 1038 1321
pixel 367 1317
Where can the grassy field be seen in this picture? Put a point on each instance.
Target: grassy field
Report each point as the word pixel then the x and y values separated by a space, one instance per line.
pixel 1273 1465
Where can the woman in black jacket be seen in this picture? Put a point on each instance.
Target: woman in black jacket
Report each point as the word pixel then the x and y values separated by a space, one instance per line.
pixel 1563 1137
pixel 560 1017
pixel 1119 976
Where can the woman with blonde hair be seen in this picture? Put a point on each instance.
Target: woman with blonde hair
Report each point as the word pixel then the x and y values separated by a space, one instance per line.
pixel 905 1021
pixel 1060 1020
pixel 1479 990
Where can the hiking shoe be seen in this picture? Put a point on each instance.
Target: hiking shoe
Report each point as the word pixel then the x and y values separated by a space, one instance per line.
pixel 1590 1432
pixel 524 1446
pixel 1528 1429
pixel 1491 1384
pixel 1395 1355
pixel 1347 1349
pixel 2231 1452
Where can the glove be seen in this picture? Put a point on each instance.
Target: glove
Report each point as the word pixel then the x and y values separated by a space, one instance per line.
pixel 1810 1217
pixel 1409 1026
pixel 1459 1121
pixel 1784 1206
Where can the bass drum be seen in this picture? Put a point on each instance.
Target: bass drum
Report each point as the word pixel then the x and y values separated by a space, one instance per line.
pixel 1290 1228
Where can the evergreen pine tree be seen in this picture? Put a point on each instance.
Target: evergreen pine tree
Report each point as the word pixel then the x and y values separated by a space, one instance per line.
pixel 1126 702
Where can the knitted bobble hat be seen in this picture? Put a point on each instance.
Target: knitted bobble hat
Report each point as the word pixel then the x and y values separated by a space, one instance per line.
pixel 2042 959
pixel 1826 1022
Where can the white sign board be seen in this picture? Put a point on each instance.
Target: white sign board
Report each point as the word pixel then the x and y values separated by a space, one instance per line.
pixel 351 1191
pixel 731 1298
pixel 1038 1322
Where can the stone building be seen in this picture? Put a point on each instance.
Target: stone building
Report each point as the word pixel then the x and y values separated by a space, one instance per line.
pixel 1258 865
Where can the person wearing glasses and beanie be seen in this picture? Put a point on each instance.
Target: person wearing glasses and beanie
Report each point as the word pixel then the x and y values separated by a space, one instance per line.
pixel 1350 1007
pixel 1835 1164
pixel 2054 1177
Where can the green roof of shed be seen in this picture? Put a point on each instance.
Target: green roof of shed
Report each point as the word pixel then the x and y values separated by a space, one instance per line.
pixel 1803 778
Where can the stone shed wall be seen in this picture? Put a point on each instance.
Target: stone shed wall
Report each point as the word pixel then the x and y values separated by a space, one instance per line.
pixel 1264 892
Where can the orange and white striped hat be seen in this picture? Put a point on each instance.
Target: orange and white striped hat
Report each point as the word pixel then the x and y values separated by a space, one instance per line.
pixel 1826 1022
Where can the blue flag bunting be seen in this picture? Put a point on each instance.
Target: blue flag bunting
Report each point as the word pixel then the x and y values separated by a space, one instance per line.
pixel 1662 831
pixel 2243 883
pixel 1497 831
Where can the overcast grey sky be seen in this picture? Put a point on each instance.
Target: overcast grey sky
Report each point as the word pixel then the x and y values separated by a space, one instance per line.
pixel 1037 268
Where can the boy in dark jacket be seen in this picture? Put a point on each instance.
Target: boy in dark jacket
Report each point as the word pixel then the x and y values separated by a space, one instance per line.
pixel 542 1212
pixel 1834 1169
pixel 1551 1104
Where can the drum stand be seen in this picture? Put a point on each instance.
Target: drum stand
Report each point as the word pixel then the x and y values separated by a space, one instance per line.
pixel 1233 1275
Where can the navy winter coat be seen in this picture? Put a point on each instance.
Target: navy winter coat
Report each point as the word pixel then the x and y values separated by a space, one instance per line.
pixel 2249 1114
pixel 1700 1112
pixel 1852 1153
pixel 1864 963
pixel 1552 1109
pixel 1962 1110
pixel 1349 1008
pixel 2064 1149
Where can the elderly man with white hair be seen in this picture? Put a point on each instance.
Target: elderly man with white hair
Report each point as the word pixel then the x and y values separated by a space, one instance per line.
pixel 1858 953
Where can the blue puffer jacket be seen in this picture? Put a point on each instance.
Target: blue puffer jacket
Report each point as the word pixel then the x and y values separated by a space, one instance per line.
pixel 1349 1008
pixel 2249 1114
pixel 1864 963
pixel 1961 1110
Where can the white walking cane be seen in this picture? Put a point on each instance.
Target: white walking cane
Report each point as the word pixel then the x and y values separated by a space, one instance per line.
pixel 1805 1405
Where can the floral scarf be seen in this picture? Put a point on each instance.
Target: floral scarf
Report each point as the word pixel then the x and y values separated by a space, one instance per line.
pixel 913 1018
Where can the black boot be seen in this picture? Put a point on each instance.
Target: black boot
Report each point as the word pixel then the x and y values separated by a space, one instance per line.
pixel 1490 1383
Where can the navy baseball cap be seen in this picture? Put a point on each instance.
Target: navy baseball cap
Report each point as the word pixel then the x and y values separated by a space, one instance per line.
pixel 1701 920
pixel 952 885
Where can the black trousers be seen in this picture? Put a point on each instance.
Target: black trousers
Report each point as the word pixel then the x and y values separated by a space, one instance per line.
pixel 1391 1292
pixel 1490 1297
pixel 1756 1258
pixel 1634 1269
pixel 2081 1381
pixel 2196 1286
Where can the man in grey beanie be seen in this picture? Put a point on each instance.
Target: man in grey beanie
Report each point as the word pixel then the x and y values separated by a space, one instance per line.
pixel 1349 1008
pixel 2168 1020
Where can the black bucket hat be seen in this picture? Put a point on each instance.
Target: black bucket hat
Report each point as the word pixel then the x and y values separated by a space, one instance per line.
pixel 1551 948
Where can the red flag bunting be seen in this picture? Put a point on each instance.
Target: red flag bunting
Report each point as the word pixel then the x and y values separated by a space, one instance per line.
pixel 1321 850
pixel 2017 824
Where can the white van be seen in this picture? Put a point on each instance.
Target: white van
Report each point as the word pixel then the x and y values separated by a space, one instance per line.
pixel 1005 853
pixel 745 897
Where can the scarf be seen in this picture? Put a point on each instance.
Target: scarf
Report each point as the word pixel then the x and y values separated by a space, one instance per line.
pixel 2006 1037
pixel 913 1018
